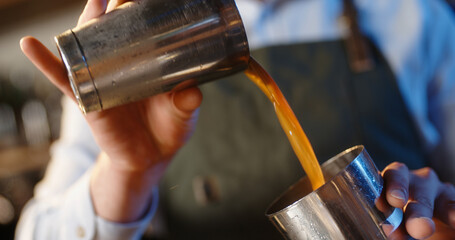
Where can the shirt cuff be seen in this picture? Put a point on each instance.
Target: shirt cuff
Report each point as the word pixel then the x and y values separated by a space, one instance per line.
pixel 81 221
pixel 134 230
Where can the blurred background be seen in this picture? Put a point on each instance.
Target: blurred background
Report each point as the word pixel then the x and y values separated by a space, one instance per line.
pixel 29 104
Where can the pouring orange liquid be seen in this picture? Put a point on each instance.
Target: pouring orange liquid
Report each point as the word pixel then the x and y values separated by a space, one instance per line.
pixel 288 121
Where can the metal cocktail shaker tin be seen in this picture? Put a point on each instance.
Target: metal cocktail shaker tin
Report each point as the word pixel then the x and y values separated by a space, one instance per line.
pixel 147 47
pixel 350 205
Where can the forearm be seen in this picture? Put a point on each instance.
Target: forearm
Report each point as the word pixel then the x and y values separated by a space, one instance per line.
pixel 121 195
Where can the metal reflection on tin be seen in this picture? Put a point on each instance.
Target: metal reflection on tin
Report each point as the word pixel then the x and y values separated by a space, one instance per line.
pixel 148 47
pixel 348 206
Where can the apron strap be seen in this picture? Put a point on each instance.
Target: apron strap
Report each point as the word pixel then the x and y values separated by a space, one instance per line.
pixel 358 51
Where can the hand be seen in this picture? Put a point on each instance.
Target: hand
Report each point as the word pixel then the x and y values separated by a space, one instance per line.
pixel 429 205
pixel 138 139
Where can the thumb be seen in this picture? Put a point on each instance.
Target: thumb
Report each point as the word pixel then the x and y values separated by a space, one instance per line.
pixel 174 116
pixel 187 102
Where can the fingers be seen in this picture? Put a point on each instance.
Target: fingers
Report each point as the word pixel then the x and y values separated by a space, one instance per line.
pixel 93 9
pixel 420 227
pixel 173 115
pixel 423 196
pixel 424 188
pixel 445 205
pixel 47 63
pixel 396 177
pixel 399 234
pixel 188 100
pixel 114 3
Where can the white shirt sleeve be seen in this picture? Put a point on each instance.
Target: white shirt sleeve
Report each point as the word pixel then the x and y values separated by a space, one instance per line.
pixel 62 206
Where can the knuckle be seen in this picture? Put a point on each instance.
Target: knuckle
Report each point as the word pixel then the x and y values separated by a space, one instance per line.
pixel 400 181
pixel 397 175
pixel 425 202
pixel 396 169
pixel 398 165
pixel 426 173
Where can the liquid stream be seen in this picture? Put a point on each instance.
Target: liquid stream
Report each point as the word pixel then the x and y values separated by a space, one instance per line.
pixel 289 123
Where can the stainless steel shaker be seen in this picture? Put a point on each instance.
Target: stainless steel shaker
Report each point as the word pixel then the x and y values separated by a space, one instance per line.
pixel 348 206
pixel 146 47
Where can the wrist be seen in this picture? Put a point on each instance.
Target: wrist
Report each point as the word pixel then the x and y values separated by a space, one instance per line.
pixel 122 194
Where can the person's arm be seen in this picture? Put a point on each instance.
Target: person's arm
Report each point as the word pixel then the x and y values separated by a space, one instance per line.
pixel 62 207
pixel 137 140
pixel 439 41
pixel 417 37
pixel 428 196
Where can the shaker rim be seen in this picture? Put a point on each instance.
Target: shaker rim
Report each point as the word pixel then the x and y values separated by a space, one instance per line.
pixel 78 72
pixel 273 209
